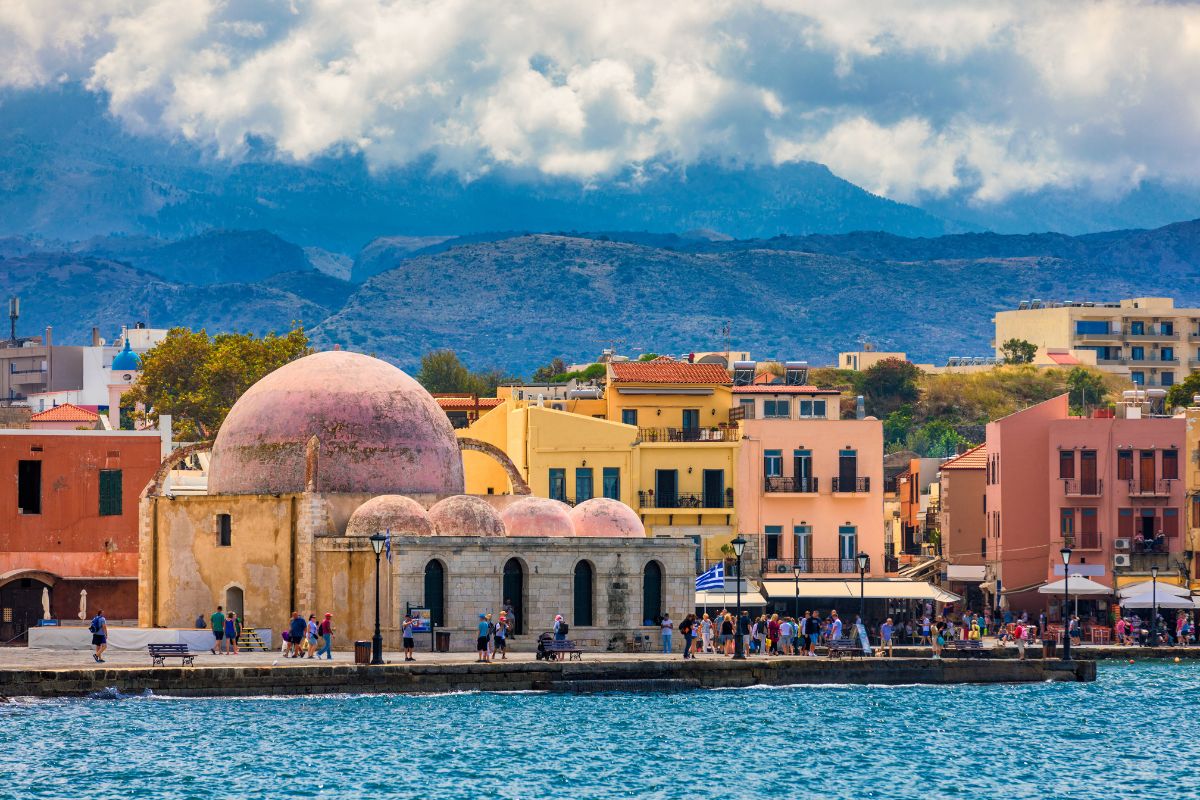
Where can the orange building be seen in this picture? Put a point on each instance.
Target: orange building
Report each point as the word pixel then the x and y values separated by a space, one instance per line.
pixel 69 523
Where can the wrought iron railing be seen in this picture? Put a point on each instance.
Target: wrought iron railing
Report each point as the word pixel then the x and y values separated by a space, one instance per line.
pixel 777 568
pixel 686 500
pixel 720 433
pixel 1158 488
pixel 1075 487
pixel 1083 540
pixel 861 484
pixel 779 483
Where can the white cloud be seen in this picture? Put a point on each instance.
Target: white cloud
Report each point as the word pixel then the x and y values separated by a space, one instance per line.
pixel 907 98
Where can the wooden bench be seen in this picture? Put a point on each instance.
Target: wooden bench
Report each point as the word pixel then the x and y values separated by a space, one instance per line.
pixel 564 647
pixel 845 646
pixel 160 652
pixel 972 648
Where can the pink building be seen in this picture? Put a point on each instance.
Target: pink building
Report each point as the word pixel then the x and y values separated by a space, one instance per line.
pixel 1112 490
pixel 810 484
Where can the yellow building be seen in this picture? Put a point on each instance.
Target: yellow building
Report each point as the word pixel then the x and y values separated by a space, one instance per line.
pixel 1192 487
pixel 660 438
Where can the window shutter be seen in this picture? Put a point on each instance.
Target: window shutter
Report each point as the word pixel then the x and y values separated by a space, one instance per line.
pixel 1125 522
pixel 1170 522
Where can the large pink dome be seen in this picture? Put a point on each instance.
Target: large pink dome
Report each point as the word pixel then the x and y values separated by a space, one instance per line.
pixel 399 515
pixel 465 515
pixel 537 516
pixel 380 432
pixel 602 516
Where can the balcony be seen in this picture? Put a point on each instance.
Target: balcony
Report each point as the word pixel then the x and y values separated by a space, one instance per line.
pixel 1083 488
pixel 1108 336
pixel 1150 335
pixel 722 433
pixel 783 567
pixel 851 486
pixel 1084 540
pixel 1143 563
pixel 778 484
pixel 685 500
pixel 1159 488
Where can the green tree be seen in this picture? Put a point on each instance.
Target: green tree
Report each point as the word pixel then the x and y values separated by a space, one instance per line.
pixel 197 379
pixel 1085 388
pixel 897 425
pixel 1018 351
pixel 937 439
pixel 889 384
pixel 647 356
pixel 546 374
pixel 1180 395
pixel 443 373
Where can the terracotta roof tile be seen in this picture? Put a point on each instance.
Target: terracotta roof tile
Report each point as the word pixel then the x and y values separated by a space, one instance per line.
pixel 664 370
pixel 466 403
pixel 67 412
pixel 975 458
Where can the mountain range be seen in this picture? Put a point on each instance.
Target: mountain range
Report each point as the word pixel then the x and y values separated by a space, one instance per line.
pixel 515 300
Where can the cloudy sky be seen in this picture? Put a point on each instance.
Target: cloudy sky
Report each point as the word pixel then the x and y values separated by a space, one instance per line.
pixel 908 99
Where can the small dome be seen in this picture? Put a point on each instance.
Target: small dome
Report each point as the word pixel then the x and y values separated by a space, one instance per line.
pixel 602 516
pixel 464 515
pixel 126 360
pixel 379 431
pixel 400 515
pixel 538 516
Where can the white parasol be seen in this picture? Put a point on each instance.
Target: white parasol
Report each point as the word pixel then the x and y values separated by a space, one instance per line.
pixel 83 603
pixel 45 602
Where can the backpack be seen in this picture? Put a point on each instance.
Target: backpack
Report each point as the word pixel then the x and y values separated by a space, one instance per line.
pixel 564 628
pixel 95 626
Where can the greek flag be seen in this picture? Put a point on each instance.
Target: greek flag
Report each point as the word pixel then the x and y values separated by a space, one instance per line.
pixel 387 545
pixel 713 579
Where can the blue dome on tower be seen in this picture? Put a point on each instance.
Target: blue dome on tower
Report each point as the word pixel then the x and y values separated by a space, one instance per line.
pixel 126 360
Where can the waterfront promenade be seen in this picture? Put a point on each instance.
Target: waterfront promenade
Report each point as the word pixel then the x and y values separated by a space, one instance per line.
pixel 54 674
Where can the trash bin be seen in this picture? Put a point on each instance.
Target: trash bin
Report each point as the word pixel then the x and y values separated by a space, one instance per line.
pixel 441 641
pixel 362 652
pixel 1048 648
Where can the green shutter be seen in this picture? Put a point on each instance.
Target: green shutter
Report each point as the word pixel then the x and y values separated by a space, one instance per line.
pixel 110 492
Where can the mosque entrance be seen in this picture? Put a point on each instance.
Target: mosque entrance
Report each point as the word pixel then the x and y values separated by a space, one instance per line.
pixel 514 591
pixel 20 607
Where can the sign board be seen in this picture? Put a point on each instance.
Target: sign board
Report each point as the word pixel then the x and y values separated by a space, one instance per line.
pixel 1086 570
pixel 862 637
pixel 420 618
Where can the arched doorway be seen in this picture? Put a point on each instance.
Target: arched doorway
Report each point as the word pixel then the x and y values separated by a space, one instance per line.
pixel 235 602
pixel 584 590
pixel 435 592
pixel 514 592
pixel 652 594
pixel 20 607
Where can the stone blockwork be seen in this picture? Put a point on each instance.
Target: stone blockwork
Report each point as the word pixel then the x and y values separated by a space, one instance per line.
pixel 630 674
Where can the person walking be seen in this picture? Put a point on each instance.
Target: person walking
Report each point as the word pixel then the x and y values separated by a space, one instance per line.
pixel 310 635
pixel 99 630
pixel 326 631
pixel 885 638
pixel 296 633
pixel 774 631
pixel 481 639
pixel 233 630
pixel 667 627
pixel 406 632
pixel 1019 636
pixel 743 631
pixel 217 620
pixel 706 635
pixel 726 639
pixel 491 644
pixel 501 637
pixel 835 627
pixel 688 629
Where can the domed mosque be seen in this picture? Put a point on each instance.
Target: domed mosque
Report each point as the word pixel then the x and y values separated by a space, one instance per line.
pixel 335 448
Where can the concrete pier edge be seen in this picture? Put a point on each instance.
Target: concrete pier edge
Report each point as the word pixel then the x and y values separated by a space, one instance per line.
pixel 524 676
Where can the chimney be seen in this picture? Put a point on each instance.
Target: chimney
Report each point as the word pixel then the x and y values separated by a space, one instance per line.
pixel 95 337
pixel 49 340
pixel 860 408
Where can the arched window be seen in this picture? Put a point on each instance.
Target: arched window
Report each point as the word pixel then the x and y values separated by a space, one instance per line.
pixel 583 595
pixel 514 592
pixel 435 592
pixel 652 594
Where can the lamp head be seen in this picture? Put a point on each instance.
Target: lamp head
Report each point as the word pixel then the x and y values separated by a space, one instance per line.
pixel 739 544
pixel 377 540
pixel 1154 572
pixel 863 558
pixel 796 571
pixel 1066 555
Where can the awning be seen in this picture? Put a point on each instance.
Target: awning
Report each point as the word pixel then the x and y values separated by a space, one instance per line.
pixel 1079 586
pixel 1148 587
pixel 921 568
pixel 875 589
pixel 719 599
pixel 965 573
pixel 1161 600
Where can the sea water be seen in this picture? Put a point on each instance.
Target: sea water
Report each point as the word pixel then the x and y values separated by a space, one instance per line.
pixel 1134 733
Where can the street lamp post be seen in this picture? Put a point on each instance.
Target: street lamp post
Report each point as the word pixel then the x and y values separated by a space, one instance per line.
pixel 863 558
pixel 1066 558
pixel 377 541
pixel 739 544
pixel 796 575
pixel 1154 606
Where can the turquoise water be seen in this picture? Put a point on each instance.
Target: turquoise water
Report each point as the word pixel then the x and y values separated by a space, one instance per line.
pixel 1084 741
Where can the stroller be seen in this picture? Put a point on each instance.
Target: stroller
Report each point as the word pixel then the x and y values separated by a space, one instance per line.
pixel 542 653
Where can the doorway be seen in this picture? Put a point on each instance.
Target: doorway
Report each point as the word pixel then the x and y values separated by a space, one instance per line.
pixel 20 607
pixel 652 594
pixel 666 488
pixel 714 488
pixel 435 592
pixel 235 602
pixel 514 592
